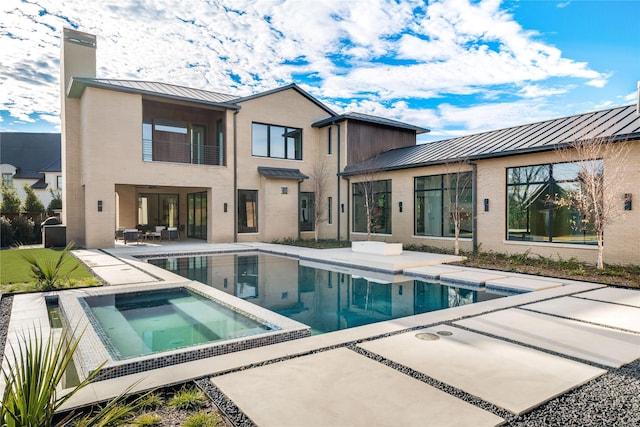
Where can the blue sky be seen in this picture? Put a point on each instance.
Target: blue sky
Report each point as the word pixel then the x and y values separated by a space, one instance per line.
pixel 453 66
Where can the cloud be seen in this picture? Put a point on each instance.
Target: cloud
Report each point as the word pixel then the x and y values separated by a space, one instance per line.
pixel 376 55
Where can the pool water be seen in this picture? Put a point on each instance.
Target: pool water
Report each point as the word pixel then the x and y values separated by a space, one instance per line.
pixel 140 323
pixel 326 300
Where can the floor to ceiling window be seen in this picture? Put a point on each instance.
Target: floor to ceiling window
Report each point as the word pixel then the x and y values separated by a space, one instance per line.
pixel 197 215
pixel 437 198
pixel 247 211
pixel 376 195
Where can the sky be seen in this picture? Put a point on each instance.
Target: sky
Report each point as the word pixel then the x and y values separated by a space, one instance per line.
pixel 453 66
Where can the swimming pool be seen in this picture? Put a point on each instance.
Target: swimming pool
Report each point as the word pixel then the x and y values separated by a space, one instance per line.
pixel 140 323
pixel 327 299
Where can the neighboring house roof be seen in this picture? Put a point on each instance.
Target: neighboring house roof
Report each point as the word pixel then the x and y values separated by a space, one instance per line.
pixel 31 154
pixel 360 117
pixel 621 123
pixel 182 93
pixel 281 173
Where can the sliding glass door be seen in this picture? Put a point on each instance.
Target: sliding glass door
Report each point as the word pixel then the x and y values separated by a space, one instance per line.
pixel 197 215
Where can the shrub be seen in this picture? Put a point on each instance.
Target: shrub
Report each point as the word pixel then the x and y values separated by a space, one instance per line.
pixel 6 233
pixel 23 230
pixel 151 401
pixel 202 419
pixel 147 419
pixel 47 271
pixel 56 200
pixel 188 398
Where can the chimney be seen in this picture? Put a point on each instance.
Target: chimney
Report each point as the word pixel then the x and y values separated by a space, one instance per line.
pixel 78 56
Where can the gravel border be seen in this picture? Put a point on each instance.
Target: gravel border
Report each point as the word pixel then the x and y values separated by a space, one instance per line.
pixel 6 304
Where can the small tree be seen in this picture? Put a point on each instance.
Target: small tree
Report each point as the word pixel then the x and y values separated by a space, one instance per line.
pixel 319 177
pixel 11 202
pixel 32 202
pixel 368 189
pixel 458 182
pixel 597 194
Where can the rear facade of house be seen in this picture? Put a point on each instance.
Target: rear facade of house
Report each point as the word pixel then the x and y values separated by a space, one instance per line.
pixel 223 168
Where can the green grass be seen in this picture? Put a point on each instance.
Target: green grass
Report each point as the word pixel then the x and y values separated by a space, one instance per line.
pixel 15 270
pixel 188 398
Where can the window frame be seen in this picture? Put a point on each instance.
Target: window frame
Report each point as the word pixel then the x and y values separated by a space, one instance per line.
pixel 244 228
pixel 443 191
pixel 552 213
pixel 386 212
pixel 271 146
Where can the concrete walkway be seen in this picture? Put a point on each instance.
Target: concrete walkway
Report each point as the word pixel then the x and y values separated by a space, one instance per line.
pixel 475 365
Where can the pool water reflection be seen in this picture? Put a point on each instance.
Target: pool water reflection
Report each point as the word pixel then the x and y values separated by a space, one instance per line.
pixel 325 299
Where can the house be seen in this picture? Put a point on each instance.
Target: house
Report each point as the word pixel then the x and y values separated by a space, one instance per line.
pixel 221 168
pixel 32 159
pixel 215 166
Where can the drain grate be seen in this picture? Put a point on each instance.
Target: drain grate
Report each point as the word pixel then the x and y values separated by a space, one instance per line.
pixel 426 336
pixel 444 333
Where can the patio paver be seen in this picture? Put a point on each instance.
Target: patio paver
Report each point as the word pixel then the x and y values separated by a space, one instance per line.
pixel 601 313
pixel 342 388
pixel 594 343
pixel 508 375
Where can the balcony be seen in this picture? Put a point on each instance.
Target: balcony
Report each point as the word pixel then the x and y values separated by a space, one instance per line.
pixel 176 152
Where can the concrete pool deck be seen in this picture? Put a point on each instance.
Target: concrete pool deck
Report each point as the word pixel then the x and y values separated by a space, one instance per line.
pixel 478 364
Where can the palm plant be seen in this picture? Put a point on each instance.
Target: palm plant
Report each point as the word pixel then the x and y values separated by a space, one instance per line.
pixel 32 378
pixel 47 271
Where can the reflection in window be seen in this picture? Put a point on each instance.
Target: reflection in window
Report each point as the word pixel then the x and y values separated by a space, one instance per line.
pixel 531 213
pixel 307 214
pixel 435 203
pixel 376 195
pixel 276 141
pixel 247 211
pixel 246 276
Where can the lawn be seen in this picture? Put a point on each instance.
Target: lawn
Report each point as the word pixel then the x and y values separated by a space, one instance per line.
pixel 15 271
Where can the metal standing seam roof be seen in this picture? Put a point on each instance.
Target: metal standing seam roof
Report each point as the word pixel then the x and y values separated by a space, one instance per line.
pixel 369 119
pixel 281 173
pixel 154 88
pixel 621 123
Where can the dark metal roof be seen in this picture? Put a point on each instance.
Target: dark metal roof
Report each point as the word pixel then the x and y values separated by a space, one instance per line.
pixel 621 123
pixel 281 173
pixel 30 153
pixel 283 88
pixel 165 90
pixel 360 117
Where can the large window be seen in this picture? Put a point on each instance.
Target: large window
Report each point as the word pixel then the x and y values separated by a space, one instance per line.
pixel 373 197
pixel 531 213
pixel 247 211
pixel 438 199
pixel 276 141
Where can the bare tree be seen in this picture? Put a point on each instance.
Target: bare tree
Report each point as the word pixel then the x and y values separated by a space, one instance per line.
pixel 367 189
pixel 319 178
pixel 458 182
pixel 596 195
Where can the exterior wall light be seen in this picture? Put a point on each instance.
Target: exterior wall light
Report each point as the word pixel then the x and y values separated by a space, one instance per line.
pixel 400 206
pixel 486 205
pixel 628 205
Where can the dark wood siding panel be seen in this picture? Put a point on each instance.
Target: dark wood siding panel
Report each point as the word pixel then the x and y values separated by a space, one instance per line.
pixel 366 140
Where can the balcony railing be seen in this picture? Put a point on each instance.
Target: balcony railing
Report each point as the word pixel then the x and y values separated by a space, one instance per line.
pixel 175 152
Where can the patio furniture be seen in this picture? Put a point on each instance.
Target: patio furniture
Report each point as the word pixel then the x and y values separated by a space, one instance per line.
pixel 171 233
pixel 153 234
pixel 131 235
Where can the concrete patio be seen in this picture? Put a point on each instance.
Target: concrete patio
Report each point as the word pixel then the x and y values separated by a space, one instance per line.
pixel 478 365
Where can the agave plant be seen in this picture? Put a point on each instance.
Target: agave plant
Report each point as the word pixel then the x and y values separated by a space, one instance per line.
pixel 47 271
pixel 32 377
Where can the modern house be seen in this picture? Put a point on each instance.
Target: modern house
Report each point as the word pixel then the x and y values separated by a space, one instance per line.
pixel 32 159
pixel 227 169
